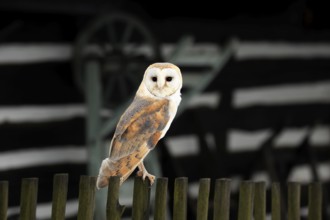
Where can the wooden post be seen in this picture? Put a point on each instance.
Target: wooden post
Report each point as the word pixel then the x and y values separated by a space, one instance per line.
pixel 276 201
pixel 114 209
pixel 203 199
pixel 180 198
pixel 293 201
pixel 315 201
pixel 3 199
pixel 60 191
pixel 260 201
pixel 29 193
pixel 96 151
pixel 141 199
pixel 245 208
pixel 161 199
pixel 87 187
pixel 221 199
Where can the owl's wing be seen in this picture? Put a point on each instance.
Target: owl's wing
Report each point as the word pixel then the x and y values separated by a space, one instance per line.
pixel 141 124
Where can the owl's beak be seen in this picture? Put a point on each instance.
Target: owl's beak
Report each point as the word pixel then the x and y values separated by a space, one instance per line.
pixel 160 83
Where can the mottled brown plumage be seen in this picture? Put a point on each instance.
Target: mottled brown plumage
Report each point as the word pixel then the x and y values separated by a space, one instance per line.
pixel 140 128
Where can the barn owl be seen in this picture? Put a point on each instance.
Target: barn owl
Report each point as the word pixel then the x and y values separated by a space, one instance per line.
pixel 143 124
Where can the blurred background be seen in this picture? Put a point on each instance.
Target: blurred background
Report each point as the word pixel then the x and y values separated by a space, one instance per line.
pixel 256 94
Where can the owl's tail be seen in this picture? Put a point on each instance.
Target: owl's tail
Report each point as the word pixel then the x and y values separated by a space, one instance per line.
pixel 109 168
pixel 123 167
pixel 104 174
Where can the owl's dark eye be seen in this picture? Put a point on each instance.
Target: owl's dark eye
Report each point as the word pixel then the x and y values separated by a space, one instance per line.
pixel 154 79
pixel 169 78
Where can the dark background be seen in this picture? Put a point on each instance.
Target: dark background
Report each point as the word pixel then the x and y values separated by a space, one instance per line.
pixel 49 83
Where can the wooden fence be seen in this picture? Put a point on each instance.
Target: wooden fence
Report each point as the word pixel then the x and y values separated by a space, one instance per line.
pixel 251 204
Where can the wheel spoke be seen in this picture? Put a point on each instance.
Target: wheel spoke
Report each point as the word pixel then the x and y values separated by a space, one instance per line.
pixel 127 34
pixel 112 35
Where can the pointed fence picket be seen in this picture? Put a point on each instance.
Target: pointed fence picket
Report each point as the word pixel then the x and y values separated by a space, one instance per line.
pixel 251 204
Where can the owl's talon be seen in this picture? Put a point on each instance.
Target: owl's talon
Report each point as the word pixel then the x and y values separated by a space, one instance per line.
pixel 145 174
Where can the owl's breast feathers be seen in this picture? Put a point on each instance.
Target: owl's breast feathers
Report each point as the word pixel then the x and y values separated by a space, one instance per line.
pixel 138 131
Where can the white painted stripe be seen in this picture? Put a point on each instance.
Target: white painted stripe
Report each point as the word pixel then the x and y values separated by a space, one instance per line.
pixel 44 113
pixel 290 137
pixel 40 113
pixel 261 176
pixel 30 53
pixel 211 100
pixel 303 173
pixel 44 210
pixel 18 114
pixel 241 140
pixel 317 92
pixel 182 145
pixel 274 50
pixel 193 54
pixel 320 135
pixel 35 157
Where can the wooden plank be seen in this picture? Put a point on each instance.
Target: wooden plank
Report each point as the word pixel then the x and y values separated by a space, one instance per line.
pixel 260 201
pixel 293 201
pixel 161 199
pixel 114 210
pixel 237 162
pixel 50 76
pixel 245 207
pixel 249 118
pixel 87 188
pixel 46 172
pixel 253 118
pixel 276 201
pixel 4 187
pixel 315 201
pixel 60 191
pixel 203 199
pixel 180 198
pixel 141 199
pixel 221 205
pixel 279 71
pixel 29 194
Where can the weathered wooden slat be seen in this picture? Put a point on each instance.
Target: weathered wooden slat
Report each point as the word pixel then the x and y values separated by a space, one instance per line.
pixel 29 194
pixel 315 201
pixel 293 201
pixel 53 76
pixel 114 209
pixel 60 191
pixel 203 199
pixel 221 205
pixel 286 72
pixel 180 198
pixel 256 117
pixel 248 118
pixel 161 199
pixel 4 187
pixel 239 161
pixel 245 209
pixel 276 201
pixel 260 201
pixel 252 199
pixel 141 199
pixel 87 188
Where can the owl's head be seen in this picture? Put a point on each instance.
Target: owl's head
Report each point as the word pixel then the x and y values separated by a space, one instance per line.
pixel 163 79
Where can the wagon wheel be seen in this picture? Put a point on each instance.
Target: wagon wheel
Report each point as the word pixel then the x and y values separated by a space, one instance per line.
pixel 124 48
